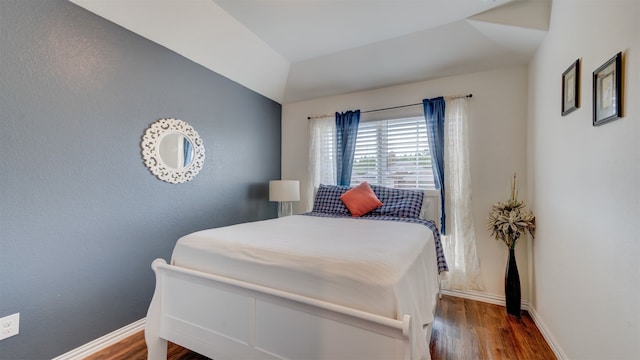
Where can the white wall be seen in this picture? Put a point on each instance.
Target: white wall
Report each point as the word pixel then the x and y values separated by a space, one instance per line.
pixel 497 117
pixel 584 182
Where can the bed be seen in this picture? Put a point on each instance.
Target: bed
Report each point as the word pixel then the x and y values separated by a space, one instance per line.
pixel 323 285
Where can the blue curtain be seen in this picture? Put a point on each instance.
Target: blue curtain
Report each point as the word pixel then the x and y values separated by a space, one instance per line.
pixel 434 117
pixel 346 133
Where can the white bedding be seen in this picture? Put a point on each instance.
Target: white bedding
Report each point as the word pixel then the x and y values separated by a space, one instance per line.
pixel 383 267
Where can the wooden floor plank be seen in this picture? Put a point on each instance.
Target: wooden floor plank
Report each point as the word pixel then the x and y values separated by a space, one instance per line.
pixel 463 329
pixel 486 332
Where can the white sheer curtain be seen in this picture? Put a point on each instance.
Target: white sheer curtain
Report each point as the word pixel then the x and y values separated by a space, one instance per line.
pixel 460 242
pixel 322 155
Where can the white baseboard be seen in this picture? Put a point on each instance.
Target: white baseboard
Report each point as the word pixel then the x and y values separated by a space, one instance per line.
pixel 547 335
pixel 102 342
pixel 500 300
pixel 483 297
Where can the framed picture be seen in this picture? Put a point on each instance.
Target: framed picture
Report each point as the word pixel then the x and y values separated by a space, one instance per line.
pixel 571 88
pixel 607 91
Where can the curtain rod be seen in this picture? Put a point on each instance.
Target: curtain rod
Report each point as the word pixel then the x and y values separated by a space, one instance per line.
pixel 390 108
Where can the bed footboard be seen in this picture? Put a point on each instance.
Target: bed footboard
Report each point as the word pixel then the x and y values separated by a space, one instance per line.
pixel 224 318
pixel 156 345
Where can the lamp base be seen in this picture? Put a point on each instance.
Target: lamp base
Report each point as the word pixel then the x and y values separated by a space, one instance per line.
pixel 285 208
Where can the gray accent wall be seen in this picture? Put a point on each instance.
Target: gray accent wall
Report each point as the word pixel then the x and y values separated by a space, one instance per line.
pixel 81 217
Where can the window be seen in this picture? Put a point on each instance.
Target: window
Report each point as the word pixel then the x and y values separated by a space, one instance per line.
pixel 393 153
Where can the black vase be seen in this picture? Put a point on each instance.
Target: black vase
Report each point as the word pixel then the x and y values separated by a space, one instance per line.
pixel 512 285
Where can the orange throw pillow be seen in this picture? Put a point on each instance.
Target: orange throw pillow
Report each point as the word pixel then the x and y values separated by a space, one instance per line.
pixel 360 200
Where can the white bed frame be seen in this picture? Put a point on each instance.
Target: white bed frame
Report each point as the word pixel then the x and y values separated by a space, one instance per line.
pixel 223 318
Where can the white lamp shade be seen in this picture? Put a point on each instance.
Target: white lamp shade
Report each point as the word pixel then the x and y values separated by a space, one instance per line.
pixel 284 190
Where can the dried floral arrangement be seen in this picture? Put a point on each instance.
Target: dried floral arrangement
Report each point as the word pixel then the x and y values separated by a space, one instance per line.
pixel 509 220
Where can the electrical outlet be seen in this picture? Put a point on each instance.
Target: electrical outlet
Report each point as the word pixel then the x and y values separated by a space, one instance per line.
pixel 9 326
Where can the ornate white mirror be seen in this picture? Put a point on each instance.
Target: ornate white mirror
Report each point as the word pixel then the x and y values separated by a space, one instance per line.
pixel 172 150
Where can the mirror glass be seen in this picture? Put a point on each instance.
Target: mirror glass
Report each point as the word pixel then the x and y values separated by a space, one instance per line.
pixel 172 150
pixel 176 151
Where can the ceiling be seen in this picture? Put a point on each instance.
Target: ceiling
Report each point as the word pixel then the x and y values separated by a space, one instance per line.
pixel 293 50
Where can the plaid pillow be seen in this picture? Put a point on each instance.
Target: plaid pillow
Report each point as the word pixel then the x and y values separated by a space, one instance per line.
pixel 398 202
pixel 328 200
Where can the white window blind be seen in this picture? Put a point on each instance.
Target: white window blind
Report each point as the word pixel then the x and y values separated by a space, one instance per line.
pixel 393 153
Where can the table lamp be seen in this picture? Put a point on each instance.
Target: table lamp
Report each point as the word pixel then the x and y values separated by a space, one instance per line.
pixel 284 192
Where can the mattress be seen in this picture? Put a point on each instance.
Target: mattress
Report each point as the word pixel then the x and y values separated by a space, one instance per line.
pixel 382 267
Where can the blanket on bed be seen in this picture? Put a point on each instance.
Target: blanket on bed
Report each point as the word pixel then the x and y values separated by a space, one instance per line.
pixel 442 262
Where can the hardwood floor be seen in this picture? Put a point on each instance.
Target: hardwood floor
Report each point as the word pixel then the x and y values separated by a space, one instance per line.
pixel 467 329
pixel 134 348
pixel 463 330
